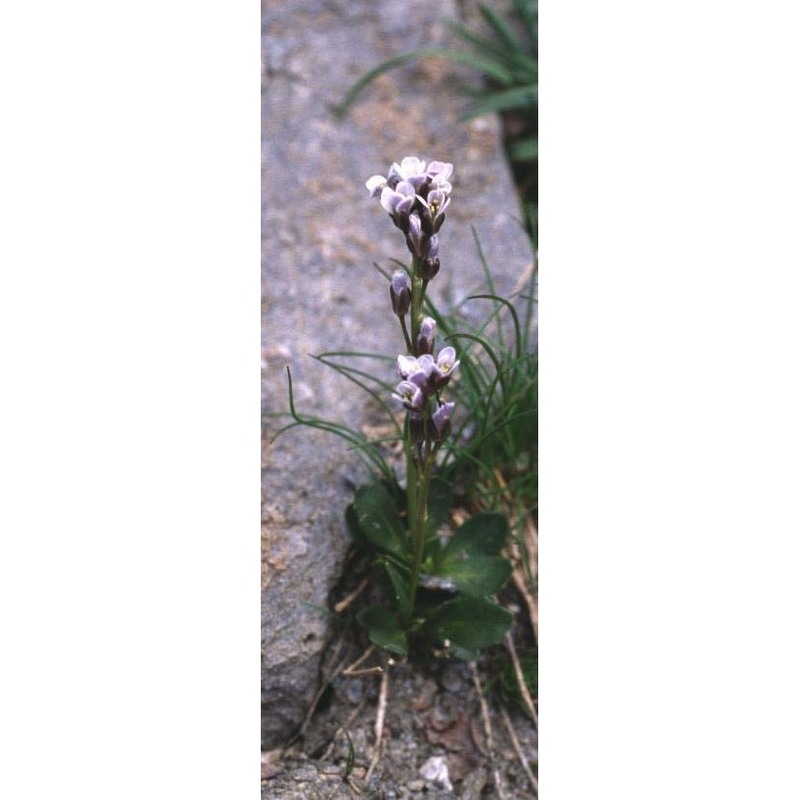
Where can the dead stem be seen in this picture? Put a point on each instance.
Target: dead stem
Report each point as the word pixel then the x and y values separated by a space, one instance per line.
pixel 515 741
pixel 487 727
pixel 344 604
pixel 523 686
pixel 341 729
pixel 351 670
pixel 380 717
pixel 519 575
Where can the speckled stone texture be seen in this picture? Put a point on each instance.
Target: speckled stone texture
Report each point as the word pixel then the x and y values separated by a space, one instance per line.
pixel 320 235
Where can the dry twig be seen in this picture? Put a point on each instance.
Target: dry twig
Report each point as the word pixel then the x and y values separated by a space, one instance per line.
pixel 523 686
pixel 522 760
pixel 380 717
pixel 344 604
pixel 487 727
pixel 353 670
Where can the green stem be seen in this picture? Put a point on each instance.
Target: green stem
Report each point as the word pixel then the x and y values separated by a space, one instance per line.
pixel 418 475
pixel 418 286
pixel 418 525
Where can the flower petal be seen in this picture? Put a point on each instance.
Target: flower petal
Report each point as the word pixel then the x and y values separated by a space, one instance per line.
pixel 375 184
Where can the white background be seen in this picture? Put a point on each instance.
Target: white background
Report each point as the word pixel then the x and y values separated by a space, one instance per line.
pixel 129 426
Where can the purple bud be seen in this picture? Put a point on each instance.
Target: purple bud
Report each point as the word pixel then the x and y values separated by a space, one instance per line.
pixel 426 338
pixel 416 425
pixel 415 238
pixel 441 420
pixel 430 267
pixel 400 293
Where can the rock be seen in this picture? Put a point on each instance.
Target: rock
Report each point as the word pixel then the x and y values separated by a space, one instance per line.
pixel 320 235
pixel 435 769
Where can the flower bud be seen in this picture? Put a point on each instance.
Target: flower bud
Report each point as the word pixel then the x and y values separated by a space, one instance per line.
pixel 441 420
pixel 430 266
pixel 415 239
pixel 426 338
pixel 400 293
pixel 416 426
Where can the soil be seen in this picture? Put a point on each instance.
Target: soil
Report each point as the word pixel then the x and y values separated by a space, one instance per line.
pixel 442 738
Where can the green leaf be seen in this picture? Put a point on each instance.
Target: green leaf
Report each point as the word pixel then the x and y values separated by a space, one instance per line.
pixel 464 653
pixel 484 534
pixel 399 586
pixel 383 629
pixel 525 97
pixel 378 519
pixel 471 622
pixel 351 757
pixel 525 150
pixel 477 575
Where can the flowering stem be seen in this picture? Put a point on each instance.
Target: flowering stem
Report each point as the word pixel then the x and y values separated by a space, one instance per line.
pixel 421 485
pixel 417 296
pixel 419 469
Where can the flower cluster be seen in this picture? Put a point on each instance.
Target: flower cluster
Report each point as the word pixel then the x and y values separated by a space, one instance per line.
pixel 416 196
pixel 423 377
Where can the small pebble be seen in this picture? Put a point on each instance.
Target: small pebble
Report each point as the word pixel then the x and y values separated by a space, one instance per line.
pixel 354 690
pixel 435 769
pixel 305 773
pixel 416 785
pixel 452 679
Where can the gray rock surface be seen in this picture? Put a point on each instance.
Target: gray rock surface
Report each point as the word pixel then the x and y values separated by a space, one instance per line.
pixel 320 235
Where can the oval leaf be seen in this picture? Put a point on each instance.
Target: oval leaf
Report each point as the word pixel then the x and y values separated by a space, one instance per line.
pixel 471 622
pixel 477 576
pixel 482 535
pixel 379 520
pixel 383 629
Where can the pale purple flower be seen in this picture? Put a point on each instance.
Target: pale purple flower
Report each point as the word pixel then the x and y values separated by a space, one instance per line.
pixel 437 202
pixel 410 394
pixel 440 372
pixel 411 169
pixel 407 365
pixel 426 338
pixel 398 201
pixel 439 172
pixel 400 292
pixel 441 420
pixel 375 184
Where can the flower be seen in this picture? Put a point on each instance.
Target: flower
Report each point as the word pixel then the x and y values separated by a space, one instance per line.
pixel 400 292
pixel 440 372
pixel 439 172
pixel 410 394
pixel 411 169
pixel 407 366
pixel 375 185
pixel 398 201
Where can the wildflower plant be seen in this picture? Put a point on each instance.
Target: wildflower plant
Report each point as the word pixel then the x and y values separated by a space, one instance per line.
pixel 441 590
